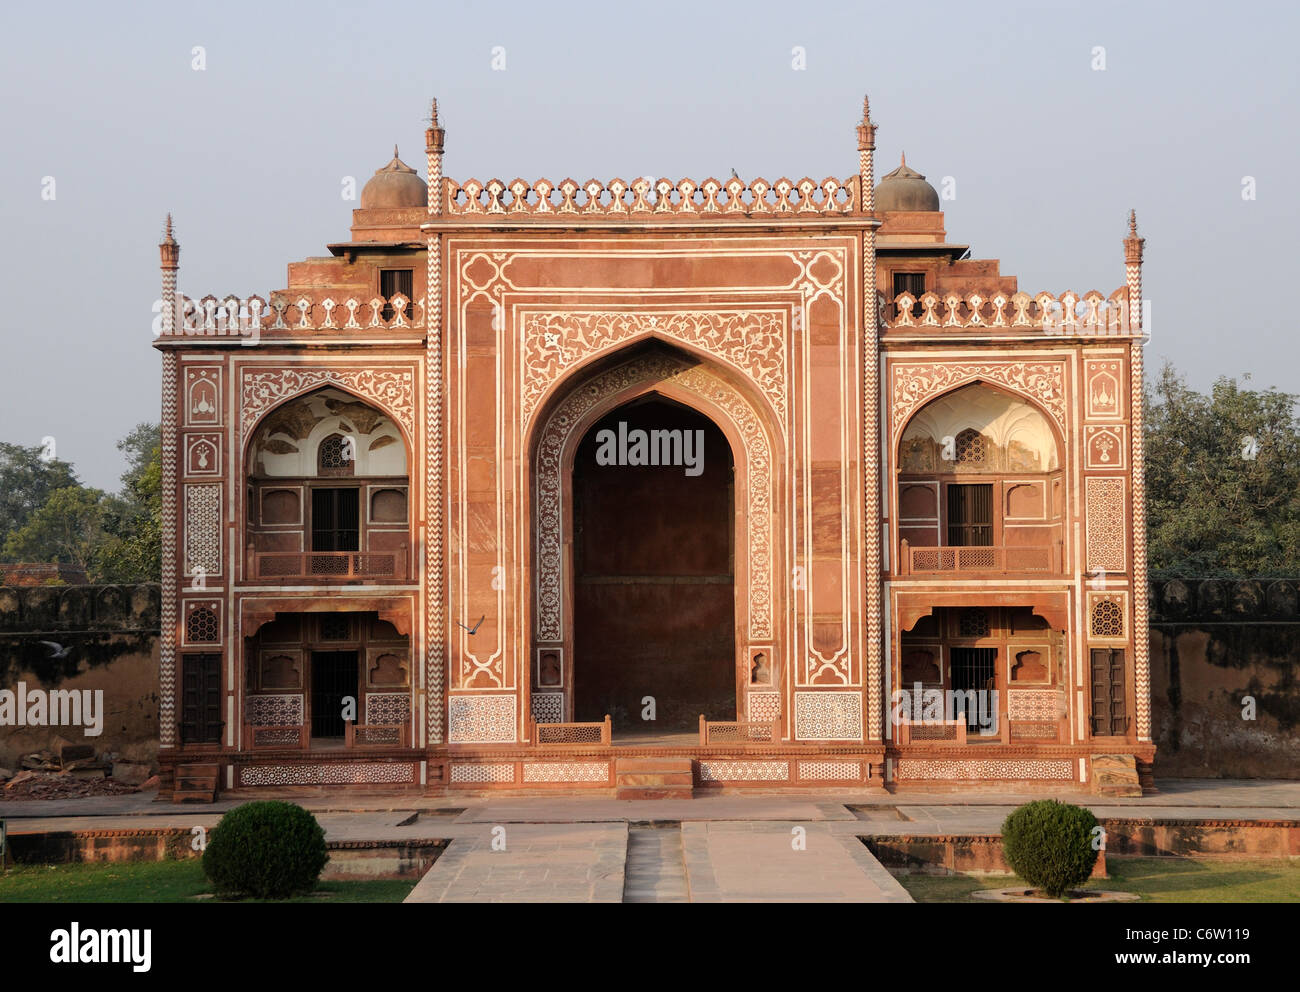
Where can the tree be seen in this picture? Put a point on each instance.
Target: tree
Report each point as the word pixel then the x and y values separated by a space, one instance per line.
pixel 68 528
pixel 132 550
pixel 27 478
pixel 1223 480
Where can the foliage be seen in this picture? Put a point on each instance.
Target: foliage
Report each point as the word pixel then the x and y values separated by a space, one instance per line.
pixel 1050 845
pixel 116 538
pixel 267 849
pixel 1223 480
pixel 27 479
pixel 68 527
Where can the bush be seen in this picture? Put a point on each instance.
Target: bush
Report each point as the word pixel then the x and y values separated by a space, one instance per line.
pixel 1050 845
pixel 270 850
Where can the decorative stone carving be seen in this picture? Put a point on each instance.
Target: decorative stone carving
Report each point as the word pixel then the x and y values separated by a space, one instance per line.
pixel 752 342
pixel 481 719
pixel 1106 524
pixel 915 384
pixel 828 716
pixel 391 389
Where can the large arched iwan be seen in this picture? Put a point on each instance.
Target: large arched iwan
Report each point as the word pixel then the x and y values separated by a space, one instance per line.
pixel 654 569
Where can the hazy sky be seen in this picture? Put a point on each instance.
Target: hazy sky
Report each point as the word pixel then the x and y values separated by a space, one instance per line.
pixel 1047 152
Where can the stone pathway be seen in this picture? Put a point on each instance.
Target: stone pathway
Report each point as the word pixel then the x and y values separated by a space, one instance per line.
pixel 529 863
pixel 771 862
pixel 655 870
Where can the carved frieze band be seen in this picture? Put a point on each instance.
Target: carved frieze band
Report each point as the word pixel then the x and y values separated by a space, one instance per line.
pixel 261 389
pixel 915 384
pixel 752 342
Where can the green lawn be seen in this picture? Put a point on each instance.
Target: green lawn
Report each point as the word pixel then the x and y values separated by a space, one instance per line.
pixel 1154 879
pixel 160 881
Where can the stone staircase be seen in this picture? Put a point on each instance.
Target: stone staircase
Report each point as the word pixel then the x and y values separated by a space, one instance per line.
pixel 654 778
pixel 196 783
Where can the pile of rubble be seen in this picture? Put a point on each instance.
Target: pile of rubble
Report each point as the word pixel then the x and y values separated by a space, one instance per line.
pixel 72 771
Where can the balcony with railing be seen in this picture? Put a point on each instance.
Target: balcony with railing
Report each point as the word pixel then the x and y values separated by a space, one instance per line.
pixel 327 565
pixel 981 559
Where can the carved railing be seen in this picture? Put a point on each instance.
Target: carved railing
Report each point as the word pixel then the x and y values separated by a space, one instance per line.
pixel 738 731
pixel 1043 731
pixel 1068 314
pixel 264 738
pixel 362 735
pixel 980 558
pixel 651 198
pixel 298 310
pixel 932 732
pixel 572 733
pixel 324 564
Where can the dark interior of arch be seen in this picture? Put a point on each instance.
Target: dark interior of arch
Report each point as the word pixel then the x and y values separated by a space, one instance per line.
pixel 654 577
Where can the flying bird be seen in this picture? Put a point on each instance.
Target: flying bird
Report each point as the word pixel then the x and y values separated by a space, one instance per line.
pixel 734 174
pixel 476 626
pixel 55 650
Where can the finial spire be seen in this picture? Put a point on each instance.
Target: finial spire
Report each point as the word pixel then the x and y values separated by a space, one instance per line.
pixel 1132 223
pixel 395 155
pixel 167 232
pixel 433 135
pixel 866 129
pixel 902 161
pixel 433 112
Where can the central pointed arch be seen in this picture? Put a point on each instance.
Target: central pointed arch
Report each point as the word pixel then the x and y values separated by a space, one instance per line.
pixel 666 372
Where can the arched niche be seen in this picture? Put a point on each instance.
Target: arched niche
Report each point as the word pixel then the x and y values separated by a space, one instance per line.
pixel 979 428
pixel 296 438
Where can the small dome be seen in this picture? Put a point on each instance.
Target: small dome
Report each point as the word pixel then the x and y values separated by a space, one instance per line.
pixel 395 185
pixel 905 189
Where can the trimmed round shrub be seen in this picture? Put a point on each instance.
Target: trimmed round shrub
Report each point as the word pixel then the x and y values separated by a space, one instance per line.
pixel 1050 845
pixel 265 849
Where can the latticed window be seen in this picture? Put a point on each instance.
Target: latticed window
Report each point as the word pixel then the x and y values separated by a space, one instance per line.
pixel 971 448
pixel 201 626
pixel 335 627
pixel 973 623
pixel 1107 619
pixel 336 455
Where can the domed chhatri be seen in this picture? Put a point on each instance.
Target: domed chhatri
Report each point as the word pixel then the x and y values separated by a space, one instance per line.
pixel 395 185
pixel 905 189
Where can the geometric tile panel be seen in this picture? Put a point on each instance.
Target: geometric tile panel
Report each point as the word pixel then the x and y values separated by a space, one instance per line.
pixel 828 716
pixel 481 719
pixel 744 771
pixel 567 771
pixel 284 710
pixel 387 708
pixel 203 529
pixel 329 773
pixel 1009 769
pixel 764 706
pixel 1106 524
pixel 1035 704
pixel 836 771
pixel 500 771
pixel 548 707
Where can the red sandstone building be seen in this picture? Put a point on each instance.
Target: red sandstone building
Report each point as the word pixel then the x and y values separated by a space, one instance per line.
pixel 410 539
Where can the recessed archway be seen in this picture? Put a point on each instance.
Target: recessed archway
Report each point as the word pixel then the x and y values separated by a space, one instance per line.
pixel 654 569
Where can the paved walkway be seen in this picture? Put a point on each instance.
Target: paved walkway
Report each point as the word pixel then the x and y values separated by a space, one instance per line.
pixel 711 849
pixel 529 863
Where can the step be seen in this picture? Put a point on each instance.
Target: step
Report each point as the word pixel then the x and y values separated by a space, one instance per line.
pixel 193 796
pixel 674 793
pixel 199 768
pixel 656 779
pixel 652 764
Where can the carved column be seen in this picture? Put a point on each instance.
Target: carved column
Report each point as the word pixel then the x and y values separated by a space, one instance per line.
pixel 169 252
pixel 871 428
pixel 435 627
pixel 1141 620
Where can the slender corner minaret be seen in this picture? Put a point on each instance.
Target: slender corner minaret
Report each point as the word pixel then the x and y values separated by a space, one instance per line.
pixel 1133 271
pixel 873 621
pixel 435 604
pixel 1141 619
pixel 433 138
pixel 169 252
pixel 866 159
